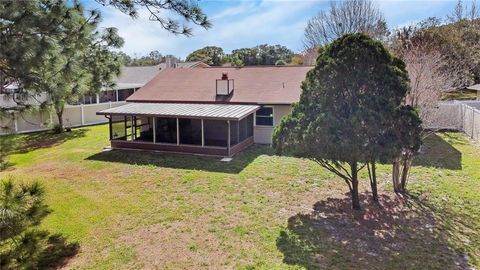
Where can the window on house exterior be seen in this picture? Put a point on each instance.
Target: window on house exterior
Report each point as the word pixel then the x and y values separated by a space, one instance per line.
pixel 264 116
pixel 107 96
pixel 123 94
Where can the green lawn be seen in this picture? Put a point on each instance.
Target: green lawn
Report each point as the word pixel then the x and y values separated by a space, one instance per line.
pixel 130 209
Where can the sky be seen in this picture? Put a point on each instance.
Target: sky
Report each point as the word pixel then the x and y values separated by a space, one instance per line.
pixel 247 23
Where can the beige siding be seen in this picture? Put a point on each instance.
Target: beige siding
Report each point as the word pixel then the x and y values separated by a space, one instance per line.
pixel 262 134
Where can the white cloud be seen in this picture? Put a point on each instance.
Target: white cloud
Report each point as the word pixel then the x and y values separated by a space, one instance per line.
pixel 248 23
pixel 243 25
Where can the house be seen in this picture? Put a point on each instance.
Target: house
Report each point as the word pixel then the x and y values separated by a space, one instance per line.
pixel 213 111
pixel 83 111
pixel 476 88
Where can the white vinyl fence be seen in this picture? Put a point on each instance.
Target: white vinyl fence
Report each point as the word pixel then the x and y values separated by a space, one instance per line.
pixel 73 116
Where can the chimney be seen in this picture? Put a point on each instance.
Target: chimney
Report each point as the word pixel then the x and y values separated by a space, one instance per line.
pixel 170 61
pixel 224 85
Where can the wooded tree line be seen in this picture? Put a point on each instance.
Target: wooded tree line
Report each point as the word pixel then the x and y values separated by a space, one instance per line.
pixel 263 54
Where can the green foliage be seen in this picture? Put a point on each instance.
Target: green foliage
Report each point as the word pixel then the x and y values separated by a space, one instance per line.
pixel 51 47
pixel 187 10
pixel 209 55
pixel 21 208
pixel 341 100
pixel 280 63
pixel 263 54
pixel 349 109
pixel 21 245
pixel 151 59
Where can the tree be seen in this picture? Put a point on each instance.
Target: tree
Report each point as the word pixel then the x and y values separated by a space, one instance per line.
pixel 21 208
pixel 347 101
pixel 344 17
pixel 51 47
pixel 297 60
pixel 79 64
pixel 263 54
pixel 210 55
pixel 187 10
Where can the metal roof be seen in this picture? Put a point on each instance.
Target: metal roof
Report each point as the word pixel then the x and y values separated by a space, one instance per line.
pixel 475 87
pixel 184 110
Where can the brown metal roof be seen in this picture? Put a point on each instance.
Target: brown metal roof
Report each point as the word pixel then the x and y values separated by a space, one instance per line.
pixel 259 85
pixel 204 111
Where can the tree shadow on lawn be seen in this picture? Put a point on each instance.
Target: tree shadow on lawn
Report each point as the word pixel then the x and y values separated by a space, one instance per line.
pixel 24 143
pixel 184 161
pixel 397 234
pixel 39 250
pixel 439 153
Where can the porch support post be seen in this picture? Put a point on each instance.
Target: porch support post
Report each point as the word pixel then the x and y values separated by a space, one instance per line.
pixel 154 129
pixel 116 95
pixel 228 139
pixel 133 122
pixel 110 126
pixel 203 135
pixel 178 132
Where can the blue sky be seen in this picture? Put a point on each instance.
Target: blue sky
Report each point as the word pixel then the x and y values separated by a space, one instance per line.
pixel 238 24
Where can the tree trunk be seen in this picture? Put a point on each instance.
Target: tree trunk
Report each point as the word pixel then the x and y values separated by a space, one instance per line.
pixel 406 163
pixel 373 181
pixel 60 121
pixel 354 191
pixel 396 175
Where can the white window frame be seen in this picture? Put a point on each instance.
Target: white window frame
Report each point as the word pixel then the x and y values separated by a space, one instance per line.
pixel 273 117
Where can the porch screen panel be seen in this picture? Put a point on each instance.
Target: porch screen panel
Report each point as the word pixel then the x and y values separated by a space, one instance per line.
pixel 166 130
pixel 118 127
pixel 234 132
pixel 143 129
pixel 216 132
pixel 190 131
pixel 246 127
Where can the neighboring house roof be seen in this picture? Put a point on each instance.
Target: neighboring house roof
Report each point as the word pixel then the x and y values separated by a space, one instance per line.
pixel 133 77
pixel 260 85
pixel 199 111
pixel 194 64
pixel 475 87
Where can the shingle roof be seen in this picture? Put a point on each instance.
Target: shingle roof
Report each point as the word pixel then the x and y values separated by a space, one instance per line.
pixel 133 77
pixel 259 85
pixel 205 111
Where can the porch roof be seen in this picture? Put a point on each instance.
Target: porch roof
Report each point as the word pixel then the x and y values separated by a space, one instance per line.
pixel 184 110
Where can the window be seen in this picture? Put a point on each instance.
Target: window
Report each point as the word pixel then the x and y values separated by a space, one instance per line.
pixel 264 116
pixel 107 96
pixel 123 94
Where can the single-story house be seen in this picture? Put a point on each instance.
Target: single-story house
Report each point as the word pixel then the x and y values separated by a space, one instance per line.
pixel 475 87
pixel 212 111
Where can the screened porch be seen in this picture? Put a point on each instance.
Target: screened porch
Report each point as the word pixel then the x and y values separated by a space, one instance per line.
pixel 210 129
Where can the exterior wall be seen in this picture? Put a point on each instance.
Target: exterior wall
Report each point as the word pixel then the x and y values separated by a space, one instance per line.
pixel 263 134
pixel 478 95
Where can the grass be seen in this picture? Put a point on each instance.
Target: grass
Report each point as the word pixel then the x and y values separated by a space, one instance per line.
pixel 130 210
pixel 464 94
